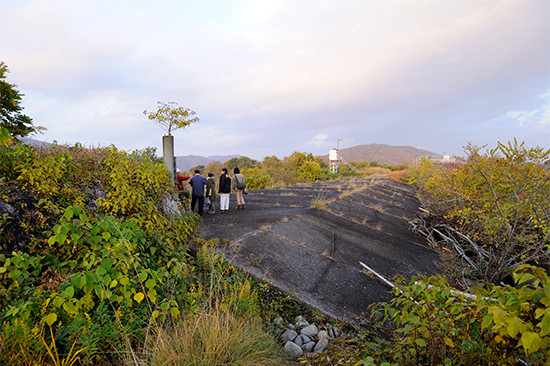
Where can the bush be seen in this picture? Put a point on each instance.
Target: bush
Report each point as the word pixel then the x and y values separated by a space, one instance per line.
pixel 430 323
pixel 493 209
pixel 102 259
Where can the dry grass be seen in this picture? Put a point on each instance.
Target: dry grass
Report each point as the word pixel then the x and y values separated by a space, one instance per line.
pixel 375 170
pixel 216 337
pixel 376 207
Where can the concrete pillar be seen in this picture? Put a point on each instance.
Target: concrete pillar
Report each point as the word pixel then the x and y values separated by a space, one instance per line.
pixel 168 154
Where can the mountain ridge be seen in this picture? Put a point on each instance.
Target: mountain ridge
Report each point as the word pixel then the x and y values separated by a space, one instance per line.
pixel 383 154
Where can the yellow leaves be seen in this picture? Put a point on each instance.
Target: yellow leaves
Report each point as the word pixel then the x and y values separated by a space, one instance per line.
pixel 50 318
pixel 531 342
pixel 139 296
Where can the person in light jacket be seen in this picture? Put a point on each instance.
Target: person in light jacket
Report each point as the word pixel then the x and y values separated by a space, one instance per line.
pixel 224 189
pixel 238 186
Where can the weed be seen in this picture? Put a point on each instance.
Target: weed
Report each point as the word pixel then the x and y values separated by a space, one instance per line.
pixel 215 337
pixel 255 260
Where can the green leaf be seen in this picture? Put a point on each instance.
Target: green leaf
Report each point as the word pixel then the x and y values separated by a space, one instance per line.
pixel 514 326
pixel 531 342
pixel 50 318
pixel 107 263
pixel 174 311
pixel 14 273
pixel 150 284
pixel 545 325
pixel 68 292
pixel 420 342
pixel 58 301
pixel 70 307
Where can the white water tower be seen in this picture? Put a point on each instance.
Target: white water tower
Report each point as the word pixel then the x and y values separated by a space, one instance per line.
pixel 334 158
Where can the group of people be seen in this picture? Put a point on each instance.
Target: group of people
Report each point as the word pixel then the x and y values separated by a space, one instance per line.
pixel 205 188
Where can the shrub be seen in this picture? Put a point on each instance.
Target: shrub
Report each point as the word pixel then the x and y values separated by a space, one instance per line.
pixel 436 325
pixel 493 210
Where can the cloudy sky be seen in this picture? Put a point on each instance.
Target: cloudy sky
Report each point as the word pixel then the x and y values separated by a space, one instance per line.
pixel 272 77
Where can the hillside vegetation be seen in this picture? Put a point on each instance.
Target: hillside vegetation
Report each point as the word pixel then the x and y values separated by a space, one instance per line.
pixel 95 265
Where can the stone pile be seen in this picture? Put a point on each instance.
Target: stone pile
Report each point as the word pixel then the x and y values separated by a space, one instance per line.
pixel 302 338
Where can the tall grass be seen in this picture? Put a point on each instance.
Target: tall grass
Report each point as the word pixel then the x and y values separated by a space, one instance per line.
pixel 216 337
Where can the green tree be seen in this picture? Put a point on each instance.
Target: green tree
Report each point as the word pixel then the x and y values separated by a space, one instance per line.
pixel 257 179
pixel 242 162
pixel 303 167
pixel 11 119
pixel 149 153
pixel 171 116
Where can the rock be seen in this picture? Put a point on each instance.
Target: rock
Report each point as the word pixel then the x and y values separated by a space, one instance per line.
pixel 298 341
pixel 288 335
pixel 308 346
pixel 321 345
pixel 322 334
pixel 278 322
pixel 305 338
pixel 336 332
pixel 293 350
pixel 302 324
pixel 330 332
pixel 291 326
pixel 310 331
pixel 170 205
pixel 279 331
pixel 7 208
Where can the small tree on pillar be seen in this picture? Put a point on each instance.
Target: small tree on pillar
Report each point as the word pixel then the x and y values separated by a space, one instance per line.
pixel 171 117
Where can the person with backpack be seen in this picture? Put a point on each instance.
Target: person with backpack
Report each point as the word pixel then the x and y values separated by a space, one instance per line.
pixel 224 189
pixel 238 187
pixel 211 194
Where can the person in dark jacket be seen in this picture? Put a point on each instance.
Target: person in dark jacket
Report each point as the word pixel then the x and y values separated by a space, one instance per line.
pixel 224 189
pixel 211 194
pixel 197 194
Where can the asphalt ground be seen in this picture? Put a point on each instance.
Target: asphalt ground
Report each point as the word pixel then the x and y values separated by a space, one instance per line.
pixel 308 241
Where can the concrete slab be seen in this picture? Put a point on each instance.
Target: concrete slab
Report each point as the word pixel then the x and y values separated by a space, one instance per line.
pixel 314 254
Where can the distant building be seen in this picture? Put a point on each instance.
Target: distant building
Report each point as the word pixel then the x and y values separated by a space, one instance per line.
pixel 441 159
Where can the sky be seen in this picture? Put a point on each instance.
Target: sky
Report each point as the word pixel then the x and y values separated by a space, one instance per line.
pixel 273 77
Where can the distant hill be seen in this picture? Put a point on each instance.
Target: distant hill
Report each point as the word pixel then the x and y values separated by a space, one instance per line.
pixel 33 142
pixel 383 154
pixel 186 162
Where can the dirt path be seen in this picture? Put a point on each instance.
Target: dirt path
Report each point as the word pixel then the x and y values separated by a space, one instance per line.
pixel 314 253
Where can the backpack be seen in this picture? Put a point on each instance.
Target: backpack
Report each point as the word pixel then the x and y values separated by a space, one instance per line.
pixel 240 185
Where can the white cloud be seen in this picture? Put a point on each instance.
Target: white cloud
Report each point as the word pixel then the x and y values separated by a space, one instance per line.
pixel 320 140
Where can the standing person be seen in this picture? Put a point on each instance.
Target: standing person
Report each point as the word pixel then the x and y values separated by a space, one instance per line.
pixel 211 194
pixel 238 187
pixel 182 192
pixel 224 189
pixel 198 182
